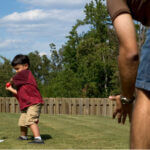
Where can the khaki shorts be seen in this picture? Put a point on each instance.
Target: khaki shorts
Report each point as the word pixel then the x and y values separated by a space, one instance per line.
pixel 30 115
pixel 139 9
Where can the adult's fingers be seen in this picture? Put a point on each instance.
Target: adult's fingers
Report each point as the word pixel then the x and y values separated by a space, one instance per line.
pixel 124 118
pixel 119 116
pixel 113 98
pixel 114 114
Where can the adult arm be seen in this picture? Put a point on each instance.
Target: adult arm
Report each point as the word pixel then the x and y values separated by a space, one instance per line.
pixel 128 61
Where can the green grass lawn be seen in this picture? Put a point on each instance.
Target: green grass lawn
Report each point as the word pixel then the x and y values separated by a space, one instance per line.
pixel 67 132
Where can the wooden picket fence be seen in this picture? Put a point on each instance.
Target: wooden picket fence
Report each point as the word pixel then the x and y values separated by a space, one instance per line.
pixel 71 106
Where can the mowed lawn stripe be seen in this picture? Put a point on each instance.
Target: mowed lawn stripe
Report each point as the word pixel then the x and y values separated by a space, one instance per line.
pixel 67 132
pixel 104 129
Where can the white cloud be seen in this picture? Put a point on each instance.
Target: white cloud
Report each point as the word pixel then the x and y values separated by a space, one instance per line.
pixel 40 15
pixel 39 22
pixel 42 53
pixel 31 15
pixel 35 28
pixel 9 43
pixel 49 3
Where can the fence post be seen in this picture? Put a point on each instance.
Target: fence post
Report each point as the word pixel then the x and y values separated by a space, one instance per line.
pixel 73 106
pixel 7 105
pixel 104 107
pixel 51 105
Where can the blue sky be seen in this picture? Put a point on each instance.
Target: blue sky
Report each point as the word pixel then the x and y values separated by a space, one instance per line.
pixel 29 25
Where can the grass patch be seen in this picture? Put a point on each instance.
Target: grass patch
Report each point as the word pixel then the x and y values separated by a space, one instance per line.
pixel 67 132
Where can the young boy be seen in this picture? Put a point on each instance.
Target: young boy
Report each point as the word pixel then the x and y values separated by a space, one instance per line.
pixel 28 96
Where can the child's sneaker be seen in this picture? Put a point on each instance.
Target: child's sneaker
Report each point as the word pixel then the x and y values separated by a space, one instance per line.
pixel 21 138
pixel 36 141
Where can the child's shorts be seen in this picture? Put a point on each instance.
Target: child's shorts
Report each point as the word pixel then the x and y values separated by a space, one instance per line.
pixel 30 115
pixel 137 9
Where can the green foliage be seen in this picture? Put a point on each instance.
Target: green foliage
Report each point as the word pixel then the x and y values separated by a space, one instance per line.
pixel 65 84
pixel 97 17
pixel 6 73
pixel 40 66
pixel 67 132
pixel 92 55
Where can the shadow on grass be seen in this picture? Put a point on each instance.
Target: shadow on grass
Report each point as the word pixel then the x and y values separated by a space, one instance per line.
pixel 43 136
pixel 4 137
pixel 46 136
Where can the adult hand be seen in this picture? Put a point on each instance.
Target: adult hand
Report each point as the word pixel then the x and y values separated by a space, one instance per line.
pixel 122 110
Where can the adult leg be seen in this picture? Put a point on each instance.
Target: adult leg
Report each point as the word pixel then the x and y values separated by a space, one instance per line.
pixel 140 126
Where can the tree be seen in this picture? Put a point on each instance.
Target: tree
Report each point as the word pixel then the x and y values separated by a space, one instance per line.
pixel 65 84
pixel 92 55
pixel 6 73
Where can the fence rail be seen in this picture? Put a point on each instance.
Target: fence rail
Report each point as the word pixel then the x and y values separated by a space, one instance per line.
pixel 72 106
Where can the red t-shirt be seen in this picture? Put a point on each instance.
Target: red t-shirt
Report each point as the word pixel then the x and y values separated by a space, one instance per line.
pixel 27 90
